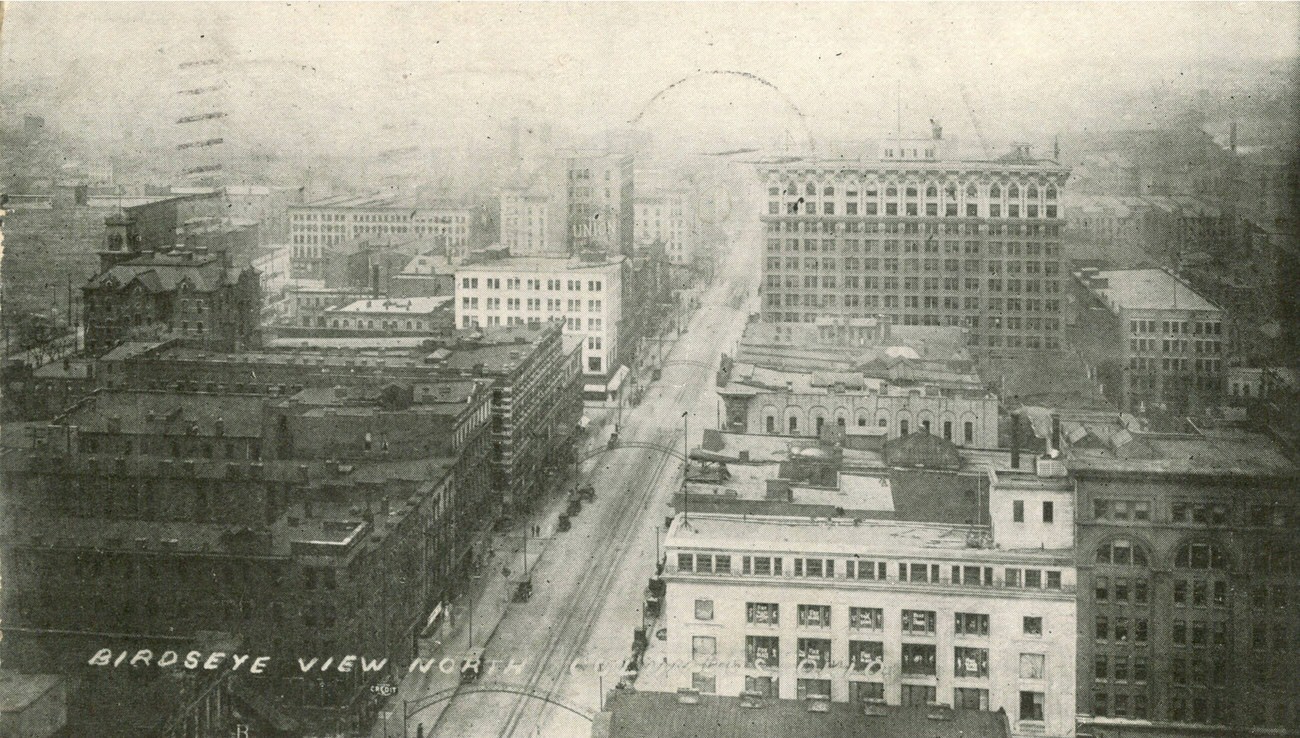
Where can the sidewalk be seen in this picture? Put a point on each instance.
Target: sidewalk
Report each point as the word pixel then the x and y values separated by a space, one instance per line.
pixel 477 611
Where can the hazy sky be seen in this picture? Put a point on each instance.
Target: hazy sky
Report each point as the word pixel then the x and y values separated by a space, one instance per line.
pixel 328 70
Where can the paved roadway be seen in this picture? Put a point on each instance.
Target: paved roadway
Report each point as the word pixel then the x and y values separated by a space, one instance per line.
pixel 589 581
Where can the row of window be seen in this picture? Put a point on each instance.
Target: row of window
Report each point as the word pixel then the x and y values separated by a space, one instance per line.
pixel 373 218
pixel 514 283
pixel 971 575
pixel 532 303
pixel 911 190
pixel 795 225
pixel 912 209
pixel 1175 327
pixel 865 657
pixel 1173 346
pixel 915 622
pixel 968 436
pixel 931 245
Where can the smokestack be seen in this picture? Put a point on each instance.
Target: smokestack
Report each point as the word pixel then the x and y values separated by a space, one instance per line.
pixel 1015 441
pixel 374 280
pixel 1056 431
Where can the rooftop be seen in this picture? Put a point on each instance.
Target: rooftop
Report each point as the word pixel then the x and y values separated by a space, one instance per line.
pixel 1144 289
pixel 143 412
pixel 1207 453
pixel 334 520
pixel 635 714
pixel 378 200
pixel 396 306
pixel 835 537
pixel 539 264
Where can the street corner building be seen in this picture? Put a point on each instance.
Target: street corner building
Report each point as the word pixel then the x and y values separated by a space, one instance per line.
pixel 867 608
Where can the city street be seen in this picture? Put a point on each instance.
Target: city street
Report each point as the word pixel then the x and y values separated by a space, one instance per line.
pixel 589 581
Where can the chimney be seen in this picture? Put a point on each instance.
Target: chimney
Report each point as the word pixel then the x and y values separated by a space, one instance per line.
pixel 1056 431
pixel 1015 441
pixel 374 279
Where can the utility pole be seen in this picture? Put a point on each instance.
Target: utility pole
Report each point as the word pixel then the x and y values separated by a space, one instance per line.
pixel 686 468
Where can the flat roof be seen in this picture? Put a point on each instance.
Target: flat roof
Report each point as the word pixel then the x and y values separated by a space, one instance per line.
pixel 395 305
pixel 836 537
pixel 1212 453
pixel 379 200
pixel 151 412
pixel 1148 289
pixel 540 264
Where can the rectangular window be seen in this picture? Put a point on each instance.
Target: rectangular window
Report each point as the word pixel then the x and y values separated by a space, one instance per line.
pixel 918 622
pixel 704 609
pixel 969 698
pixel 814 615
pixel 762 652
pixel 764 686
pixel 867 657
pixel 918 659
pixel 761 613
pixel 866 692
pixel 918 695
pixel 971 624
pixel 1047 512
pixel 1018 511
pixel 1032 626
pixel 866 618
pixel 813 653
pixel 1032 665
pixel 705 682
pixel 1031 706
pixel 703 648
pixel 813 689
pixel 971 662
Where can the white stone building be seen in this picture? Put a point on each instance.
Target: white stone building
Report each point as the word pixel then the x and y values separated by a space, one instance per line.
pixel 904 612
pixel 585 294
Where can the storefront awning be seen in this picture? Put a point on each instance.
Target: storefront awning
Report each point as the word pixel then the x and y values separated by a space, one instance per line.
pixel 616 381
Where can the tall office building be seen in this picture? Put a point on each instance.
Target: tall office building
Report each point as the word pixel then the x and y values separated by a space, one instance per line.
pixel 600 204
pixel 922 239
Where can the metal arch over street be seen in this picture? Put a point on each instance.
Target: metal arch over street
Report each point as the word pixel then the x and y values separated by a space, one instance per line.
pixel 666 450
pixel 411 708
pixel 687 362
pixel 803 120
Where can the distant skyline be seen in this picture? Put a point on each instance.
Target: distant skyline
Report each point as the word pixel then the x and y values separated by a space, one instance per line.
pixel 334 74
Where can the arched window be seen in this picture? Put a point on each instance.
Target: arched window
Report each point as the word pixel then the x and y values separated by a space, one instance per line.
pixel 1200 556
pixel 950 191
pixel 771 424
pixel 931 191
pixel 811 190
pixel 971 191
pixel 828 191
pixel 995 191
pixel 794 425
pixel 1122 552
pixel 1051 192
pixel 1033 192
pixel 1013 191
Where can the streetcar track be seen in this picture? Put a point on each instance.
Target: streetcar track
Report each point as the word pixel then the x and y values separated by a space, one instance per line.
pixel 522 705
